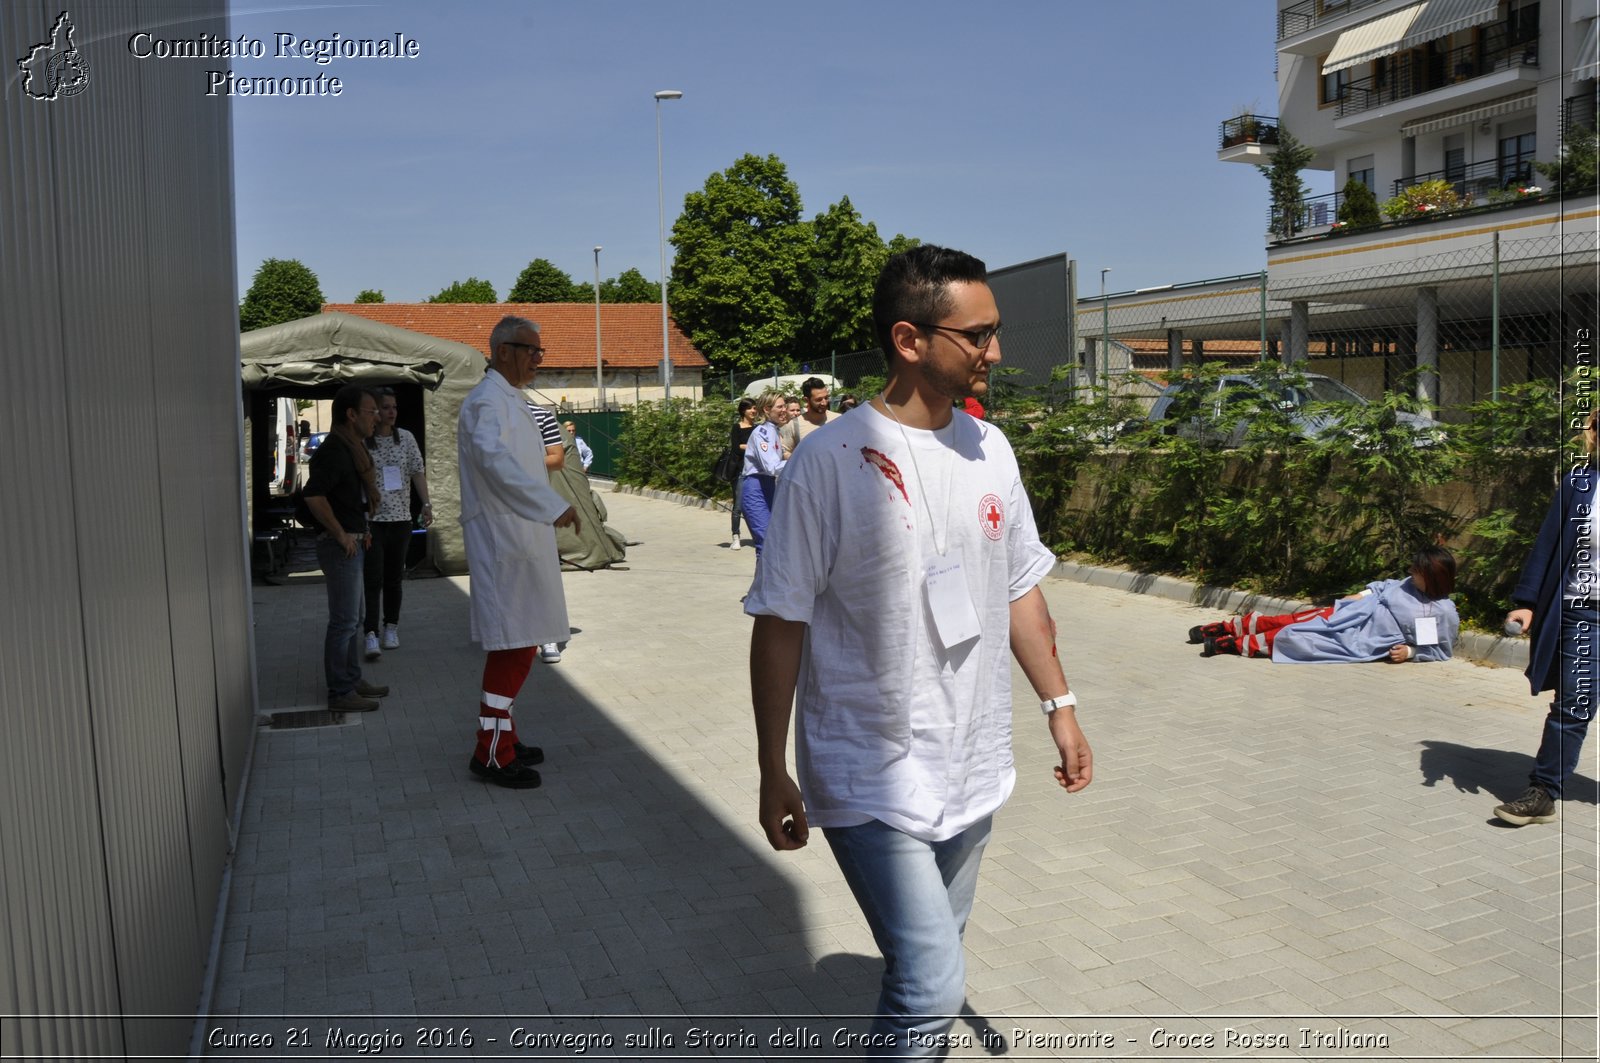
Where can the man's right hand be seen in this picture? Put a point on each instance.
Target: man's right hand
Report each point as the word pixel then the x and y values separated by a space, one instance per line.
pixel 569 519
pixel 783 814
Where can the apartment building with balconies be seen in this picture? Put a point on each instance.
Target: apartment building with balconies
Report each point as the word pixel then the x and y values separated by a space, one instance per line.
pixel 1483 274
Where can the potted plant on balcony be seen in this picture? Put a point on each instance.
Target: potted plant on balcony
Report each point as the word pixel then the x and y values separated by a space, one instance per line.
pixel 1283 177
pixel 1242 128
pixel 1359 207
pixel 1422 200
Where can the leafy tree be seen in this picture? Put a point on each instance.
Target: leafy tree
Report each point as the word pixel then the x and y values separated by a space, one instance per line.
pixel 847 255
pixel 1359 207
pixel 471 290
pixel 544 282
pixel 739 278
pixel 630 287
pixel 902 242
pixel 283 290
pixel 1575 168
pixel 1283 179
pixel 370 295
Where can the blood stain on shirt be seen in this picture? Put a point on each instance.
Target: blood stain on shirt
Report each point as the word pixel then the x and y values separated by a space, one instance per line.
pixel 886 465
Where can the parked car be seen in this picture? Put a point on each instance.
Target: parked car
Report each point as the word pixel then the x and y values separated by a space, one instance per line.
pixel 1305 398
pixel 314 442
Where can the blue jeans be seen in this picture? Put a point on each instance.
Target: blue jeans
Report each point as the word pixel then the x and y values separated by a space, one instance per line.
pixel 738 503
pixel 1574 704
pixel 916 896
pixel 341 647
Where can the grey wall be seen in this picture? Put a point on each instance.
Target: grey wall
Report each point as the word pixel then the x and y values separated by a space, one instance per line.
pixel 126 682
pixel 1036 308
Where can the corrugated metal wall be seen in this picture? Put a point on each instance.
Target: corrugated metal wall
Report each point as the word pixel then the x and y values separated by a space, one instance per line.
pixel 126 688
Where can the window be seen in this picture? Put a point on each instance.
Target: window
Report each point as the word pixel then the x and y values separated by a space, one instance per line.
pixel 1522 21
pixel 1455 158
pixel 1334 85
pixel 1361 169
pixel 1516 160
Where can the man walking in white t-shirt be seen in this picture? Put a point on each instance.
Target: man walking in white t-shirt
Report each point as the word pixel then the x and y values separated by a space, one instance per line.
pixel 901 565
pixel 814 416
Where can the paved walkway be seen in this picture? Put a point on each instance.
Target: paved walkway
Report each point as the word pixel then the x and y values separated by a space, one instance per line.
pixel 1273 861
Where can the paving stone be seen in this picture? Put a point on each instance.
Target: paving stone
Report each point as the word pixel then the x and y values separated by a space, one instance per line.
pixel 1227 858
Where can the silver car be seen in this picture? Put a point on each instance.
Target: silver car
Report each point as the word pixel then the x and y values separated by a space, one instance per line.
pixel 1303 397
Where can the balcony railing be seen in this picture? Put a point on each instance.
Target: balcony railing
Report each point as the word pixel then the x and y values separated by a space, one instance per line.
pixel 1304 16
pixel 1249 129
pixel 1417 72
pixel 1477 180
pixel 1315 213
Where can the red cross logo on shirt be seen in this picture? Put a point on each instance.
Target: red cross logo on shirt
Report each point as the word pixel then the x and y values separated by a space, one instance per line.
pixel 991 516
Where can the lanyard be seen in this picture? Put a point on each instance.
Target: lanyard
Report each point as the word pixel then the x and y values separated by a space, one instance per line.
pixel 933 527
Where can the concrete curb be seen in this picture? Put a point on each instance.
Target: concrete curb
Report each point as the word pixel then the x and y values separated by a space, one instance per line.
pixel 1496 650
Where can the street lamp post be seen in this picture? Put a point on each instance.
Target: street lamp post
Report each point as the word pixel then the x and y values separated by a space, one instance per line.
pixel 1105 334
pixel 599 380
pixel 661 207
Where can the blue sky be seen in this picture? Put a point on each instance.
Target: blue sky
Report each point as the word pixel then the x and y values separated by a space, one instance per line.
pixel 527 129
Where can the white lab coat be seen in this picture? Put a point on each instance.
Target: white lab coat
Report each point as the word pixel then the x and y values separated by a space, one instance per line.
pixel 507 506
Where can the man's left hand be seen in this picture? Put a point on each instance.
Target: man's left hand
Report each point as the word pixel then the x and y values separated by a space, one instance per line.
pixel 1076 769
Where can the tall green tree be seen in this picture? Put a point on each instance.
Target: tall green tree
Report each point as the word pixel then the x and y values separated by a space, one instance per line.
pixel 1283 180
pixel 369 295
pixel 542 281
pixel 739 281
pixel 471 290
pixel 283 290
pixel 630 286
pixel 847 255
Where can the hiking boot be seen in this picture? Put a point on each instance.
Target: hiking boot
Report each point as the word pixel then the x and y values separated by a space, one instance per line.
pixel 514 776
pixel 352 702
pixel 1534 806
pixel 550 652
pixel 371 690
pixel 529 755
pixel 1216 644
pixel 373 652
pixel 1200 632
pixel 391 636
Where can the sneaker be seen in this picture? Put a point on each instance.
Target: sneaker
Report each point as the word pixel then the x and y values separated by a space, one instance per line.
pixel 1200 632
pixel 737 544
pixel 514 776
pixel 391 636
pixel 373 652
pixel 1534 806
pixel 550 652
pixel 352 702
pixel 371 690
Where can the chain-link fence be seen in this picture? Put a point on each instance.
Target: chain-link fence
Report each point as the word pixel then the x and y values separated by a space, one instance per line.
pixel 1458 325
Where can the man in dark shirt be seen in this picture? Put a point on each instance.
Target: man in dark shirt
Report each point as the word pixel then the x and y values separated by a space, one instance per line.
pixel 341 490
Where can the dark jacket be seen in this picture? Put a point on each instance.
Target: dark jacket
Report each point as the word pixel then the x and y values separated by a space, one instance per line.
pixel 1544 574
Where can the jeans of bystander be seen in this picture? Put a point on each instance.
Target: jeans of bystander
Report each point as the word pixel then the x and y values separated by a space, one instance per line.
pixel 341 647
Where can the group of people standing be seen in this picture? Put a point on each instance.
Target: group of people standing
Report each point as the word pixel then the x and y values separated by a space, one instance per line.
pixel 359 492
pixel 766 434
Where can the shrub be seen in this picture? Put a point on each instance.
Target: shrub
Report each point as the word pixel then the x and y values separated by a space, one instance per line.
pixel 1429 197
pixel 1359 207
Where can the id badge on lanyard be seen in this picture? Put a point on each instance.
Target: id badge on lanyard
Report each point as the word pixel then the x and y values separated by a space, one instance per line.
pixel 949 600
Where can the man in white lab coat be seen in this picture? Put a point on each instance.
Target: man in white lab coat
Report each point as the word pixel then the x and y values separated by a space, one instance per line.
pixel 509 514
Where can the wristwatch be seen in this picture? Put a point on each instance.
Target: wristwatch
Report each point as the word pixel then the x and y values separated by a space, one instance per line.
pixel 1065 701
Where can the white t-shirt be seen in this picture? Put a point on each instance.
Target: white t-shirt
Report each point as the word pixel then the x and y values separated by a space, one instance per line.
pixel 889 724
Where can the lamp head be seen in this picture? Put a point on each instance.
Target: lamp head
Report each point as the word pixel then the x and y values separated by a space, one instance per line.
pixel 669 94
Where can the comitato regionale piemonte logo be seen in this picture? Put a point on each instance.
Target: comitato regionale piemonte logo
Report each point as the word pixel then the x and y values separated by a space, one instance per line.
pixel 55 69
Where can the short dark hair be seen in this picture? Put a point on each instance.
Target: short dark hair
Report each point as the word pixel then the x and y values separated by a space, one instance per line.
pixel 349 398
pixel 1438 566
pixel 812 383
pixel 746 405
pixel 915 286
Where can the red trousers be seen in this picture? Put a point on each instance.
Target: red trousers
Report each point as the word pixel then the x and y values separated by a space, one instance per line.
pixel 504 672
pixel 1256 632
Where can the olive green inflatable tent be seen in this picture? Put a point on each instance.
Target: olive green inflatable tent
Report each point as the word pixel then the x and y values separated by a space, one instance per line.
pixel 315 355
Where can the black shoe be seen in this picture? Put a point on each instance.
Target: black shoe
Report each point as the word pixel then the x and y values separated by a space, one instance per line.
pixel 371 690
pixel 352 702
pixel 1534 806
pixel 514 776
pixel 1196 636
pixel 529 754
pixel 1216 644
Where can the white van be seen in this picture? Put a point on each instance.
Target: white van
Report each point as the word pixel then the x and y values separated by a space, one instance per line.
pixel 282 416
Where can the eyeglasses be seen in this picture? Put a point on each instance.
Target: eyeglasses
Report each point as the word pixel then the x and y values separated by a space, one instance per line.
pixel 979 338
pixel 538 351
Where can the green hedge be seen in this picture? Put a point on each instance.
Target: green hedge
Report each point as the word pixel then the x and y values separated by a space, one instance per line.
pixel 1280 514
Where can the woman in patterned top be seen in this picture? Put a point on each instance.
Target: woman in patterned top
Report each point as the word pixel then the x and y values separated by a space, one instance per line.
pixel 397 463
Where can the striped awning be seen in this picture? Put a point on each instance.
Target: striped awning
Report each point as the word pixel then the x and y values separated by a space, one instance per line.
pixel 1407 28
pixel 1588 64
pixel 1440 18
pixel 1524 101
pixel 1366 42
